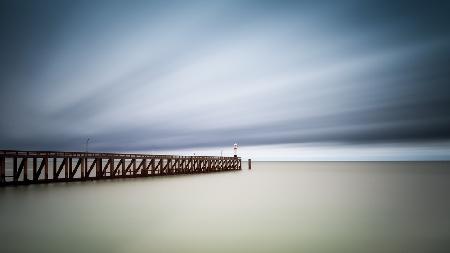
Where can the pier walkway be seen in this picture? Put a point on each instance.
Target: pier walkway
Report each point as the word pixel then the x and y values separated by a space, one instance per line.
pixel 33 167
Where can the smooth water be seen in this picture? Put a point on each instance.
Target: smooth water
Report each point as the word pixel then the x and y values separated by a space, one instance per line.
pixel 275 207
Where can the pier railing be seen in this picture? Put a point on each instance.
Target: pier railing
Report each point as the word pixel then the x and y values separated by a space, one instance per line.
pixel 29 167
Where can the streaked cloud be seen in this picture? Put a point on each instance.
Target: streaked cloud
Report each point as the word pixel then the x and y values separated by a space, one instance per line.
pixel 175 75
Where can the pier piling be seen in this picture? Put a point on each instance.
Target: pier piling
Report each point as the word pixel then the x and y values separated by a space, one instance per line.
pixel 79 166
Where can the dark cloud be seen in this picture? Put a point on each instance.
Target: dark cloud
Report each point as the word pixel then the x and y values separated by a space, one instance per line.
pixel 148 75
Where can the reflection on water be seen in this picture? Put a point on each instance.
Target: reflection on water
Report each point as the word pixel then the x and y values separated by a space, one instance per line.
pixel 275 207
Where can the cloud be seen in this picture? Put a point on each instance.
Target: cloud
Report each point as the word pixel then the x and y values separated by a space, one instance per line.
pixel 173 75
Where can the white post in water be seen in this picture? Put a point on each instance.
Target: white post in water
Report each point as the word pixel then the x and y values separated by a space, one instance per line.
pixel 235 149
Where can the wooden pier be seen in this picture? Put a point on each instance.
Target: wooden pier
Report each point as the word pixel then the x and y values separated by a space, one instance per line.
pixel 34 167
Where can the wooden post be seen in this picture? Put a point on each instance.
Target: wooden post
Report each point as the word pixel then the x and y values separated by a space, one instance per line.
pixel 35 176
pixel 54 167
pixel 144 168
pixel 99 167
pixel 111 167
pixel 2 170
pixel 161 166
pixel 25 169
pixel 135 167
pixel 15 176
pixel 249 164
pixel 83 166
pixel 66 167
pixel 123 167
pixel 46 168
pixel 153 166
pixel 174 166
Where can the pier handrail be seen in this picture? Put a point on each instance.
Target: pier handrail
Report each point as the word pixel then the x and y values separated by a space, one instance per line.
pixel 62 154
pixel 33 167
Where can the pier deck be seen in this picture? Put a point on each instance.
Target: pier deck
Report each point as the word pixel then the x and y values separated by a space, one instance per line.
pixel 34 167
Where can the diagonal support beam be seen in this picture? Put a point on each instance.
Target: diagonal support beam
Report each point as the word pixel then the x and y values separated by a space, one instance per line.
pixel 18 170
pixel 93 165
pixel 74 171
pixel 109 164
pixel 63 165
pixel 117 168
pixel 37 171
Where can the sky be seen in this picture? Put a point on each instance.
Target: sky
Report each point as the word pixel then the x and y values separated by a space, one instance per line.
pixel 286 80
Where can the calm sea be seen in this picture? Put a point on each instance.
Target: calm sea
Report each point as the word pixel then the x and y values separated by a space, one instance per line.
pixel 275 207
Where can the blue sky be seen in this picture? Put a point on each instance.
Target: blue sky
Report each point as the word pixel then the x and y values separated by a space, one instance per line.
pixel 287 80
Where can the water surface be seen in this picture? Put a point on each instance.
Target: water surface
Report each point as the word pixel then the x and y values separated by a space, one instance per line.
pixel 275 207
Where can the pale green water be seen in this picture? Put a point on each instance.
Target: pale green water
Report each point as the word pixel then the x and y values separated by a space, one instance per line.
pixel 276 207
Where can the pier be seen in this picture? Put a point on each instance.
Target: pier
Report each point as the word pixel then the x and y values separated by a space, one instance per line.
pixel 35 167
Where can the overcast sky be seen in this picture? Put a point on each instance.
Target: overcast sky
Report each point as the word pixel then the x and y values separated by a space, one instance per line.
pixel 332 80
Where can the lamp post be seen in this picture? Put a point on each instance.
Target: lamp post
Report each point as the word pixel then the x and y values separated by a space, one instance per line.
pixel 87 144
